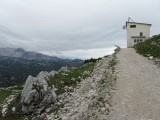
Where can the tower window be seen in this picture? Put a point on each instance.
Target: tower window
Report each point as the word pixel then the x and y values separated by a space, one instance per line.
pixel 132 26
pixel 141 33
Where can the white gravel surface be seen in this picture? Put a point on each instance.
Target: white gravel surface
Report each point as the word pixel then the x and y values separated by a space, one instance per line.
pixel 137 94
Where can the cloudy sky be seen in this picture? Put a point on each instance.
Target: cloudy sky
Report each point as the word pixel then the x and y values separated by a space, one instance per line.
pixel 72 28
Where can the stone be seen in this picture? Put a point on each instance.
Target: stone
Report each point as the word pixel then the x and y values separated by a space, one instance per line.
pixel 10 99
pixel 64 69
pixel 37 95
pixel 14 109
pixel 50 117
pixel 150 58
pixel 86 73
pixel 5 106
pixel 48 110
pixel 4 111
pixel 42 115
pixel 103 109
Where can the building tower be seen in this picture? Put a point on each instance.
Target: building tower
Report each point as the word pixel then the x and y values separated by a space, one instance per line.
pixel 137 32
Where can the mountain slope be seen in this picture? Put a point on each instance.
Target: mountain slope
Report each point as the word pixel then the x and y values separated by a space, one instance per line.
pixel 150 48
pixel 17 64
pixel 21 53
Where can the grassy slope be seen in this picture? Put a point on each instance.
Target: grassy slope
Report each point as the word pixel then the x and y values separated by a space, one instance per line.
pixel 4 94
pixel 150 47
pixel 71 78
pixel 15 103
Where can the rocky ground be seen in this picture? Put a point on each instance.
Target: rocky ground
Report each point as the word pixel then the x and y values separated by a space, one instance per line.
pixel 91 99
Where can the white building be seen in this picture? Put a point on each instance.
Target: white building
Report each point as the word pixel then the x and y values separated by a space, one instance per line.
pixel 137 32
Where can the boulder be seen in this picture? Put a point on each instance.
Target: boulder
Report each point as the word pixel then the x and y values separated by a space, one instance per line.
pixel 4 110
pixel 150 57
pixel 14 109
pixel 37 94
pixel 64 69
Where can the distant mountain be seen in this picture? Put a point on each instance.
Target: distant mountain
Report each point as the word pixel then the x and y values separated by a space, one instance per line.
pixel 21 53
pixel 17 64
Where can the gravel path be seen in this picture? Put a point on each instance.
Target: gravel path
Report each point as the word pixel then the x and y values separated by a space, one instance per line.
pixel 137 94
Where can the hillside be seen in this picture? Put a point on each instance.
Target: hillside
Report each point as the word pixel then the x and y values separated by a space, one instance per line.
pixel 150 48
pixel 17 64
pixel 82 93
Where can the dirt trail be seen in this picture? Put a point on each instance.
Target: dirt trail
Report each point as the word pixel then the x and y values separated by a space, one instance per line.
pixel 137 94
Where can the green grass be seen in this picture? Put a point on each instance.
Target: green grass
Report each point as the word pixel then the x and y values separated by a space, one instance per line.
pixel 60 81
pixel 150 47
pixel 4 94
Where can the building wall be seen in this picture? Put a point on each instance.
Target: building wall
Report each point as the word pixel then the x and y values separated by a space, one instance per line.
pixel 135 32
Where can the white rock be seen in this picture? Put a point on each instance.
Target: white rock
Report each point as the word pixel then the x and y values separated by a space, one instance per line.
pixel 48 110
pixel 5 106
pixel 103 109
pixel 4 111
pixel 14 109
pixel 36 89
pixel 64 69
pixel 150 58
pixel 50 117
pixel 10 98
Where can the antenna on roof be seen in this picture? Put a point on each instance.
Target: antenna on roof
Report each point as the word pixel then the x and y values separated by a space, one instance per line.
pixel 129 19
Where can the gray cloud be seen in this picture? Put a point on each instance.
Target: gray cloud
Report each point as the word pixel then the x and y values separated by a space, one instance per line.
pixel 64 27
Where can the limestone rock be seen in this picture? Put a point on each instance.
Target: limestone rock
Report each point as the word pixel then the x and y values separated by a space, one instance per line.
pixel 150 58
pixel 37 93
pixel 13 109
pixel 4 111
pixel 64 69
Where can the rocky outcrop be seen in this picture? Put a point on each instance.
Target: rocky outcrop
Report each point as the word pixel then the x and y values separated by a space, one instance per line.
pixel 38 94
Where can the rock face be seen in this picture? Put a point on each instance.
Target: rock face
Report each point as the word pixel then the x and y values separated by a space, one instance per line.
pixel 38 94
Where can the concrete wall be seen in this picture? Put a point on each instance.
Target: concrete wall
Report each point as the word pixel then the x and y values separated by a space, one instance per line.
pixel 133 34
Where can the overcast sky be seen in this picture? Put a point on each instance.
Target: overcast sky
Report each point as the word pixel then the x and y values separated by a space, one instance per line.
pixel 72 28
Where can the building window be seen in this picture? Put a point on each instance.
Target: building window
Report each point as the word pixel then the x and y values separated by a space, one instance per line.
pixel 141 40
pixel 137 40
pixel 141 33
pixel 132 26
pixel 134 40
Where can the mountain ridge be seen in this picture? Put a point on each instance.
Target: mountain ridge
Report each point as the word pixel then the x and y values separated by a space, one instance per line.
pixel 16 64
pixel 21 53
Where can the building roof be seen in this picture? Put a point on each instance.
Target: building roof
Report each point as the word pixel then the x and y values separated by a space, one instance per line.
pixel 138 23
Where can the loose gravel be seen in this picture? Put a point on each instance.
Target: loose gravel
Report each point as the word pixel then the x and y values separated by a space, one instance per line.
pixel 137 94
